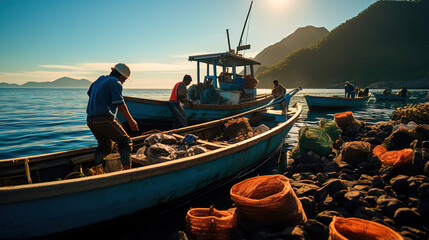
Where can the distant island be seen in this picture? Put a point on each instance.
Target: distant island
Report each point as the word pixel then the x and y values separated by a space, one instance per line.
pixel 64 82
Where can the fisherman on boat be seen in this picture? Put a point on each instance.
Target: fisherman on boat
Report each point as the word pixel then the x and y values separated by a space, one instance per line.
pixel 278 92
pixel 278 89
pixel 178 97
pixel 402 91
pixel 349 90
pixel 105 97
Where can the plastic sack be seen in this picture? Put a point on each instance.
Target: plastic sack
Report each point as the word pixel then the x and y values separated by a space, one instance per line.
pixel 398 158
pixel 160 153
pixel 331 128
pixel 189 139
pixel 194 150
pixel 344 119
pixel 267 201
pixel 315 139
pixel 160 138
pixel 260 129
pixel 210 224
pixel 237 127
pixel 355 152
pixel 357 229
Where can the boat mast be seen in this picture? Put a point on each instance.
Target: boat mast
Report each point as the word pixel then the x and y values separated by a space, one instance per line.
pixel 244 47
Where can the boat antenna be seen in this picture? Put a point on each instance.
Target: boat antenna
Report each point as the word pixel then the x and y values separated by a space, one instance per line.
pixel 227 36
pixel 244 47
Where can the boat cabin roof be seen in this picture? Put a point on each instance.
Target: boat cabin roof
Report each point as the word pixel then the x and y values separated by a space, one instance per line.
pixel 225 59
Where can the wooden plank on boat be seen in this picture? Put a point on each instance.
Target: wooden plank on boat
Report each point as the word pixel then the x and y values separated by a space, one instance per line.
pixel 82 159
pixel 27 171
pixel 207 143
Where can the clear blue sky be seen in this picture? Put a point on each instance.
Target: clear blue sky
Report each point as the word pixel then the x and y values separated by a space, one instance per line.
pixel 47 39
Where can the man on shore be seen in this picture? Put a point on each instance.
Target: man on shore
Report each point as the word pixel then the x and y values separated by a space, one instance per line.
pixel 105 97
pixel 178 97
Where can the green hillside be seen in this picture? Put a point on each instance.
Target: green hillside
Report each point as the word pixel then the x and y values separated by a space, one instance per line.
pixel 303 37
pixel 389 41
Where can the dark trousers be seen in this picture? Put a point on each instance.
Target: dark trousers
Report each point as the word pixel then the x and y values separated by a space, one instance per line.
pixel 179 116
pixel 107 129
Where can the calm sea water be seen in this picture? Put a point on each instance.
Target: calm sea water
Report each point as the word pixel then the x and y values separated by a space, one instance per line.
pixel 39 121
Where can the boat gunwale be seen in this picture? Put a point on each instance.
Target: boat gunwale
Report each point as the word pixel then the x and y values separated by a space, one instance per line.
pixel 390 96
pixel 258 99
pixel 338 98
pixel 28 192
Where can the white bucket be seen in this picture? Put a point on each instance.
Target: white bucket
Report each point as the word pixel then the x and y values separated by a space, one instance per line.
pixel 113 163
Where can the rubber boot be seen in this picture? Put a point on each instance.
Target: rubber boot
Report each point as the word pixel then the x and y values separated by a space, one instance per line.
pixel 96 170
pixel 126 160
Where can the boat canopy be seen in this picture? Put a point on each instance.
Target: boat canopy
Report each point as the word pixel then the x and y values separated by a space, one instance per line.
pixel 224 60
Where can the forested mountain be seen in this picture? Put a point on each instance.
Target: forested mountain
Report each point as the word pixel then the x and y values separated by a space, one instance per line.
pixel 301 38
pixel 389 41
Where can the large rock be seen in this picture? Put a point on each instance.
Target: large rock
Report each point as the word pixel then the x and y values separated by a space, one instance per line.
pixel 400 139
pixel 293 233
pixel 325 204
pixel 309 206
pixel 423 205
pixel 400 184
pixel 351 200
pixel 407 216
pixel 389 205
pixel 316 230
pixel 325 217
pixel 355 152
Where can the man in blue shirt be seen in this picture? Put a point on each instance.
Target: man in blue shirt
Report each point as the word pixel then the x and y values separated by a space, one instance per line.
pixel 105 97
pixel 349 90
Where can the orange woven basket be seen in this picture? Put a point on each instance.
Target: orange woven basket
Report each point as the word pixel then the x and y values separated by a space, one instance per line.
pixel 267 201
pixel 359 229
pixel 210 224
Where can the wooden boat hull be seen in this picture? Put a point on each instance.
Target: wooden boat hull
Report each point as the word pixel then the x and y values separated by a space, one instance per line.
pixel 389 97
pixel 155 114
pixel 319 103
pixel 44 208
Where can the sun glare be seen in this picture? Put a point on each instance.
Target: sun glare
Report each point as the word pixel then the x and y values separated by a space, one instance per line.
pixel 277 5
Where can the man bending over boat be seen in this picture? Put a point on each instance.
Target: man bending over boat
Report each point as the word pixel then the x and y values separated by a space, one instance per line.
pixel 278 92
pixel 349 90
pixel 105 97
pixel 179 95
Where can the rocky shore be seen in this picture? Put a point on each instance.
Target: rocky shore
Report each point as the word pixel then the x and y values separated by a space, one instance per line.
pixel 351 181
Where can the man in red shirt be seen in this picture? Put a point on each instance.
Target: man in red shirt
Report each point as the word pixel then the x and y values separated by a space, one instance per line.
pixel 179 95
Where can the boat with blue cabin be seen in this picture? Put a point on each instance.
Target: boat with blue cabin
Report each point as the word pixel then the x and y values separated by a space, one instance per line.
pixel 34 201
pixel 320 103
pixel 219 94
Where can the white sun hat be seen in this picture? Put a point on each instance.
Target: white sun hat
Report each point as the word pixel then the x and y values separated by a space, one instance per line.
pixel 123 69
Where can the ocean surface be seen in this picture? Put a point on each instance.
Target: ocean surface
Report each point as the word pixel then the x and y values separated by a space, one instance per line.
pixel 39 121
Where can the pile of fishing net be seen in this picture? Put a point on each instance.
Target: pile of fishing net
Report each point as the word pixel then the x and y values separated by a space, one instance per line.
pixel 161 147
pixel 419 113
pixel 194 91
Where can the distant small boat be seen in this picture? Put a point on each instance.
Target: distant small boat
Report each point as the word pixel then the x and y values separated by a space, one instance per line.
pixel 325 103
pixel 390 97
pixel 40 205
